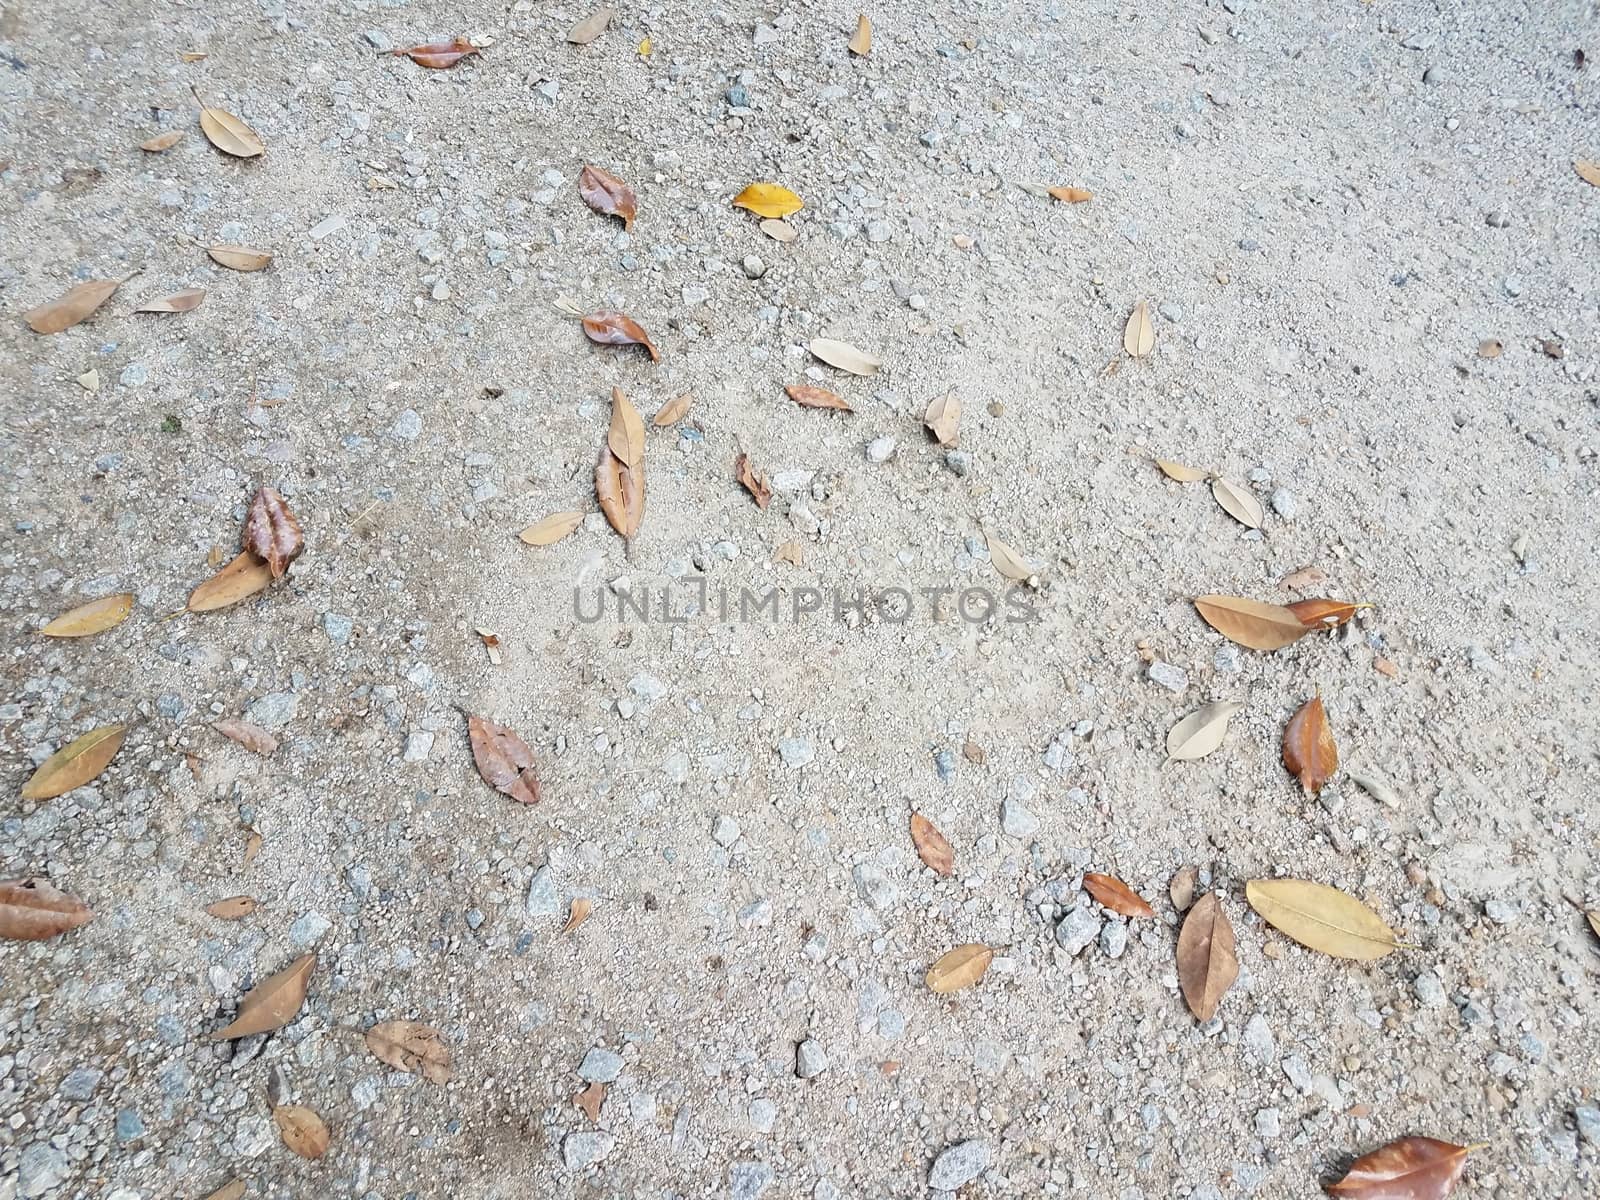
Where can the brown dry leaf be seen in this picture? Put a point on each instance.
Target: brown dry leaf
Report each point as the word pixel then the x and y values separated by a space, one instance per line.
pixel 438 56
pixel 608 194
pixel 552 529
pixel 503 759
pixel 302 1130
pixel 861 40
pixel 1552 348
pixel 673 411
pixel 31 910
pixel 1207 962
pixel 778 231
pixel 191 56
pixel 252 737
pixel 844 356
pixel 591 27
pixel 789 552
pixel 227 132
pixel 1321 917
pixel 491 643
pixel 234 908
pixel 1308 749
pixel 1238 502
pixel 185 301
pixel 162 141
pixel 815 397
pixel 620 490
pixel 754 482
pixel 65 311
pixel 252 847
pixel 1201 732
pixel 413 1047
pixel 943 419
pixel 932 846
pixel 1111 892
pixel 1384 667
pixel 961 967
pixel 229 1191
pixel 75 764
pixel 1304 578
pixel 618 329
pixel 240 258
pixel 1139 336
pixel 94 617
pixel 1250 622
pixel 1594 921
pixel 271 532
pixel 974 753
pixel 1490 348
pixel 244 576
pixel 273 1002
pixel 1007 561
pixel 1410 1168
pixel 1180 889
pixel 769 200
pixel 590 1100
pixel 582 906
pixel 626 434
pixel 1181 473
pixel 1324 614
pixel 1588 171
pixel 1073 195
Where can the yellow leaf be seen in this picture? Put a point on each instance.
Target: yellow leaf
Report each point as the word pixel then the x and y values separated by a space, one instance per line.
pixel 645 48
pixel 861 40
pixel 93 617
pixel 552 529
pixel 961 967
pixel 1139 336
pixel 768 200
pixel 75 764
pixel 1321 917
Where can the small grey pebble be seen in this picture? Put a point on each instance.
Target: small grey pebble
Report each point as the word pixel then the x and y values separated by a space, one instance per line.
pixel 958 462
pixel 958 1165
pixel 747 1180
pixel 1017 821
pixel 1170 310
pixel 1284 503
pixel 725 831
pixel 1498 220
pixel 737 96
pixel 585 1148
pixel 338 627
pixel 1077 929
pixel 754 267
pixel 810 1060
pixel 880 449
pixel 796 751
pixel 1164 674
pixel 945 763
pixel 600 1065
pixel 542 900
pixel 1430 992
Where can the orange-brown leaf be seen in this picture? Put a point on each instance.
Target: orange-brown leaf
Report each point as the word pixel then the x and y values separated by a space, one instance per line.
pixel 1323 614
pixel 1250 622
pixel 620 490
pixel 673 410
pixel 302 1130
pixel 411 1046
pixel 1308 748
pixel 625 435
pixel 1207 961
pixel 608 194
pixel 932 846
pixel 578 913
pixel 271 532
pixel 1410 1168
pixel 503 759
pixel 816 397
pixel 590 1100
pixel 234 908
pixel 1071 195
pixel 438 56
pixel 31 910
pixel 1116 895
pixel 244 576
pixel 67 310
pixel 273 1002
pixel 252 737
pixel 611 328
pixel 754 482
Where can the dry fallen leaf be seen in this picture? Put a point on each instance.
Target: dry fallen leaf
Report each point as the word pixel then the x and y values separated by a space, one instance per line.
pixel 503 760
pixel 816 397
pixel 590 1100
pixel 1112 893
pixel 943 419
pixel 413 1047
pixel 66 311
pixel 1207 962
pixel 778 231
pixel 625 436
pixel 961 967
pixel 94 617
pixel 162 141
pixel 591 27
pixel 244 576
pixel 1238 502
pixel 1593 918
pixel 229 1191
pixel 1588 171
pixel 75 764
pixel 227 132
pixel 861 40
pixel 768 200
pixel 1324 614
pixel 673 411
pixel 240 258
pixel 31 910
pixel 1410 1168
pixel 252 847
pixel 1202 731
pixel 1073 195
pixel 234 908
pixel 932 847
pixel 302 1130
pixel 185 301
pixel 1139 336
pixel 191 56
pixel 1308 748
pixel 789 552
pixel 754 482
pixel 1250 622
pixel 271 532
pixel 618 329
pixel 273 1002
pixel 1181 473
pixel 491 644
pixel 552 529
pixel 844 356
pixel 438 56
pixel 1180 888
pixel 1304 579
pixel 252 737
pixel 607 194
pixel 1321 917
pixel 620 490
pixel 582 906
pixel 974 753
pixel 1007 561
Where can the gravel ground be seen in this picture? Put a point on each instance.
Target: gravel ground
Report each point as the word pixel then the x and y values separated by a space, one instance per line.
pixel 1328 205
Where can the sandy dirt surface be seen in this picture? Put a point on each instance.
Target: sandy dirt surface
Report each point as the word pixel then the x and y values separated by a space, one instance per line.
pixel 1329 207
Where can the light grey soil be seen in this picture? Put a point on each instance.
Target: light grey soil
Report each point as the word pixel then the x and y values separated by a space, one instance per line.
pixel 1329 206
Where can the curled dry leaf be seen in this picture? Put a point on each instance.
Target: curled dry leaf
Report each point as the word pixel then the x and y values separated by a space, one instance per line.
pixel 1490 348
pixel 1321 917
pixel 240 258
pixel 413 1047
pixel 1410 1168
pixel 844 356
pixel 1139 336
pixel 94 617
pixel 754 482
pixel 626 434
pixel 31 911
pixel 1250 622
pixel 1202 731
pixel 582 906
pixel 778 231
pixel 65 311
pixel 1008 562
pixel 185 301
pixel 590 1100
pixel 620 490
pixel 1308 747
pixel 815 397
pixel 591 27
pixel 943 419
pixel 861 40
pixel 162 141
pixel 438 56
pixel 1111 892
pixel 768 200
pixel 234 908
pixel 1238 502
pixel 227 132
pixel 552 529
pixel 273 1002
pixel 618 329
pixel 1207 961
pixel 932 847
pixel 252 737
pixel 271 532
pixel 75 764
pixel 503 759
pixel 1181 473
pixel 1324 614
pixel 961 967
pixel 608 194
pixel 1073 195
pixel 1588 171
pixel 301 1130
pixel 491 644
pixel 244 576
pixel 673 411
